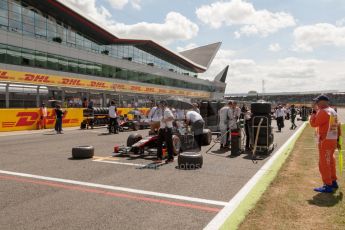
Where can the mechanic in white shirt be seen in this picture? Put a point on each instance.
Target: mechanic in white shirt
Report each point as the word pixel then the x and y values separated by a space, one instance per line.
pixel 155 116
pixel 113 117
pixel 194 119
pixel 224 117
pixel 165 133
pixel 280 116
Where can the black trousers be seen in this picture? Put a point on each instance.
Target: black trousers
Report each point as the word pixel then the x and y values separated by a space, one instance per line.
pixel 58 124
pixel 280 123
pixel 113 123
pixel 165 135
pixel 293 125
pixel 198 128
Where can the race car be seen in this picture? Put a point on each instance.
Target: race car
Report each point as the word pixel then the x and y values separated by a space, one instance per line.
pixel 183 140
pixel 125 124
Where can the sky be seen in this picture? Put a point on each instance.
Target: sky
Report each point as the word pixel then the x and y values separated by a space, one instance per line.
pixel 291 46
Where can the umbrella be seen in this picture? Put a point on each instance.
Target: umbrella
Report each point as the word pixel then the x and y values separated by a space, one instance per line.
pixel 179 103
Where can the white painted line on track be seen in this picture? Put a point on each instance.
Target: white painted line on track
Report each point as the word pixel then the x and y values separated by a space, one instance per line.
pixel 119 163
pixel 230 207
pixel 116 188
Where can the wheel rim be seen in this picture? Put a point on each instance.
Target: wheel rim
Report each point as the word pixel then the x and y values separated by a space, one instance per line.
pixel 177 145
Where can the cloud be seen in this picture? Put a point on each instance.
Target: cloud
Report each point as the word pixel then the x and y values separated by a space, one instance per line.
pixel 120 4
pixel 175 27
pixel 242 13
pixel 290 74
pixel 307 38
pixel 275 47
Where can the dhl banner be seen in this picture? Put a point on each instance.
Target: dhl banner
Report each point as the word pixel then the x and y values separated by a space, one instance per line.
pixel 65 81
pixel 28 119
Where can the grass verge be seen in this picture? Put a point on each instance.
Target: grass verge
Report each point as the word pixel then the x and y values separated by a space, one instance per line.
pixel 291 203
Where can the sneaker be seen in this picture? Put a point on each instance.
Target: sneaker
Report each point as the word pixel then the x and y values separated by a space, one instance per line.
pixel 324 189
pixel 335 184
pixel 169 161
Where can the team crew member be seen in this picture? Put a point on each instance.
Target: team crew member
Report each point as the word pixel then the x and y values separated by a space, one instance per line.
pixel 165 133
pixel 293 113
pixel 194 119
pixel 224 118
pixel 280 116
pixel 196 107
pixel 113 125
pixel 324 119
pixel 43 117
pixel 58 122
pixel 247 115
pixel 155 116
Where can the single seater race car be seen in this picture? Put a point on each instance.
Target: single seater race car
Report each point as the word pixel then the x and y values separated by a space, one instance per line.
pixel 183 140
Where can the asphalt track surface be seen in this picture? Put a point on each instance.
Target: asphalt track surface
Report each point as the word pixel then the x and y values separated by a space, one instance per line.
pixel 33 203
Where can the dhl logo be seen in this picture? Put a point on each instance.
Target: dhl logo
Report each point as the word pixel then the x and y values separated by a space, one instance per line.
pixel 3 75
pixel 31 118
pixel 68 81
pixel 98 84
pixel 36 78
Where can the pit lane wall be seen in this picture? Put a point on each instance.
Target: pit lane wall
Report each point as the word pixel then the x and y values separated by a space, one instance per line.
pixel 28 119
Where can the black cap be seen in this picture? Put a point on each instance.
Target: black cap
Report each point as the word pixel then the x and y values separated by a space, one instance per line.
pixel 321 97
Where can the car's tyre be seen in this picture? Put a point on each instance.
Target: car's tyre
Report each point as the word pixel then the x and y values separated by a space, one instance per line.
pixel 206 137
pixel 261 107
pixel 190 160
pixel 83 152
pixel 135 126
pixel 176 145
pixel 133 138
pixel 83 125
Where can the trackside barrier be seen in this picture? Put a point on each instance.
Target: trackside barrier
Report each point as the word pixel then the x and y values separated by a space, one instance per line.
pixel 28 119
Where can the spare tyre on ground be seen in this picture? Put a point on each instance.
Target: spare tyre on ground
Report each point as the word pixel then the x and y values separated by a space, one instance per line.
pixel 206 137
pixel 83 152
pixel 190 161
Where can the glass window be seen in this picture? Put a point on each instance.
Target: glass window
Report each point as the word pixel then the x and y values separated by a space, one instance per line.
pixel 3 49
pixel 73 65
pixel 81 67
pixel 63 64
pixel 40 59
pixel 40 25
pixel 28 57
pixel 52 62
pixel 89 68
pixel 14 55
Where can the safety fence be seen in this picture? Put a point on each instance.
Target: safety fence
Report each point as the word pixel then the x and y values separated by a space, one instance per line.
pixel 29 119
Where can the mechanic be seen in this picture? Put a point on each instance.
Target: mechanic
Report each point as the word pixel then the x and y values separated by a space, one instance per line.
pixel 224 118
pixel 43 116
pixel 196 107
pixel 247 115
pixel 165 133
pixel 58 115
pixel 155 115
pixel 280 116
pixel 325 120
pixel 293 115
pixel 113 117
pixel 195 120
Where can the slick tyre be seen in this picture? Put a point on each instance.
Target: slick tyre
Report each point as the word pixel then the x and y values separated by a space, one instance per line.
pixel 206 137
pixel 83 152
pixel 190 161
pixel 176 145
pixel 261 108
pixel 133 138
